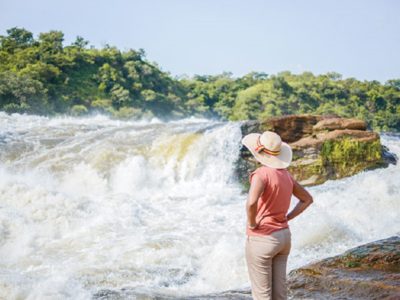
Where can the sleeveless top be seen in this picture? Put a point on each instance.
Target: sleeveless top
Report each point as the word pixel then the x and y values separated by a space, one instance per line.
pixel 273 204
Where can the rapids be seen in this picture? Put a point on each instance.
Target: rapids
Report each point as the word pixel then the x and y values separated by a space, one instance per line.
pixel 90 204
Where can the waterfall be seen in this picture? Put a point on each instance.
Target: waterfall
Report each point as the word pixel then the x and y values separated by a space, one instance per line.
pixel 91 204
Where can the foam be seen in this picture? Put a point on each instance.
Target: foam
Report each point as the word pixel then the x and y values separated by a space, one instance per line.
pixel 91 203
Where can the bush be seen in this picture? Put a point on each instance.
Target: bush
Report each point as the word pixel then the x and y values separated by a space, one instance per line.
pixel 102 105
pixel 128 113
pixel 16 108
pixel 79 110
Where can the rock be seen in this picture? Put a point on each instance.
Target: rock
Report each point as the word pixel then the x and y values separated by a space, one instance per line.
pixel 370 271
pixel 291 128
pixel 335 154
pixel 340 123
pixel 324 147
pixel 388 156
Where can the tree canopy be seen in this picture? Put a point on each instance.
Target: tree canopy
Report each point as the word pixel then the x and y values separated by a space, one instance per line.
pixel 44 76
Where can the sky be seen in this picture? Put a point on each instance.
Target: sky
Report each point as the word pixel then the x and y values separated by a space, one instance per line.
pixel 357 38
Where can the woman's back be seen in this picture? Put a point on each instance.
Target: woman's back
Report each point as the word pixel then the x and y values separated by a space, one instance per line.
pixel 274 202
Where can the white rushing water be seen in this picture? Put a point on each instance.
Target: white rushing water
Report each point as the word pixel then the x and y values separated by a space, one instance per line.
pixel 91 204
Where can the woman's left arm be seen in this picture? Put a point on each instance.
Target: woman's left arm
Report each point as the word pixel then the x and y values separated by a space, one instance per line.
pixel 255 191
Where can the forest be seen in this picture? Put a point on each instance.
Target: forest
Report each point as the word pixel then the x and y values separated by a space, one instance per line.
pixel 44 76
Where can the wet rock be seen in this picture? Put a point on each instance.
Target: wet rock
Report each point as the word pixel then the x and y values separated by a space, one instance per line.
pixel 388 156
pixel 324 147
pixel 370 271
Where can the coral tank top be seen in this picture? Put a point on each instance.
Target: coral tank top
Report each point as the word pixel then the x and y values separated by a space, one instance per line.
pixel 273 204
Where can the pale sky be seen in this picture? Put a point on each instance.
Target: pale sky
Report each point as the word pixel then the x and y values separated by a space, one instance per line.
pixel 357 38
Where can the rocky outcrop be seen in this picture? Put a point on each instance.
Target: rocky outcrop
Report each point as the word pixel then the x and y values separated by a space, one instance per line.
pixel 291 128
pixel 324 147
pixel 370 271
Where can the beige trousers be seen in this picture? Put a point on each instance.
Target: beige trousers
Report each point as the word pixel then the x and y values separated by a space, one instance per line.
pixel 266 258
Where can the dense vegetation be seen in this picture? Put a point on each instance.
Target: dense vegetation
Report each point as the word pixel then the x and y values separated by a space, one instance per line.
pixel 43 76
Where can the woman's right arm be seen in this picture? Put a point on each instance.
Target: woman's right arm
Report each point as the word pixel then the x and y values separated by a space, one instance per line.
pixel 305 200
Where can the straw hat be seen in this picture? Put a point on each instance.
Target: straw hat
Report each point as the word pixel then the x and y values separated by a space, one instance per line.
pixel 269 149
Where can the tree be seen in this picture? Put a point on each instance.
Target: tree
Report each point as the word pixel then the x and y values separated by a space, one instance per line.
pixel 21 93
pixel 80 42
pixel 43 76
pixel 51 42
pixel 17 38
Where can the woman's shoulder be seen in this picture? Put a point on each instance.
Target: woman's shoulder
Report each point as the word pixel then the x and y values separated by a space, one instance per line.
pixel 269 172
pixel 261 171
pixel 266 170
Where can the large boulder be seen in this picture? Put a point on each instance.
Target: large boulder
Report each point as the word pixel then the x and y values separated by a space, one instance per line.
pixel 324 147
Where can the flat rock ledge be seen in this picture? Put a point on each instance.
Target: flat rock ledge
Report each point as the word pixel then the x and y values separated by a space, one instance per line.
pixel 324 147
pixel 370 271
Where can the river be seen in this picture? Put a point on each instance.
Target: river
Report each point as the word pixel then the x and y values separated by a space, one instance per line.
pixel 154 208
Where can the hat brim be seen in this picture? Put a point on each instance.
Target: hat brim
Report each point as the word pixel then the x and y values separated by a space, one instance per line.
pixel 280 161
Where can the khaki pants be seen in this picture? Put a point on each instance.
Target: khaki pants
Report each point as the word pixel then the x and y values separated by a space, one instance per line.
pixel 266 258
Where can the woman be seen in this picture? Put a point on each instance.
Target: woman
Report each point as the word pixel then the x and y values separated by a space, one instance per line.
pixel 268 235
